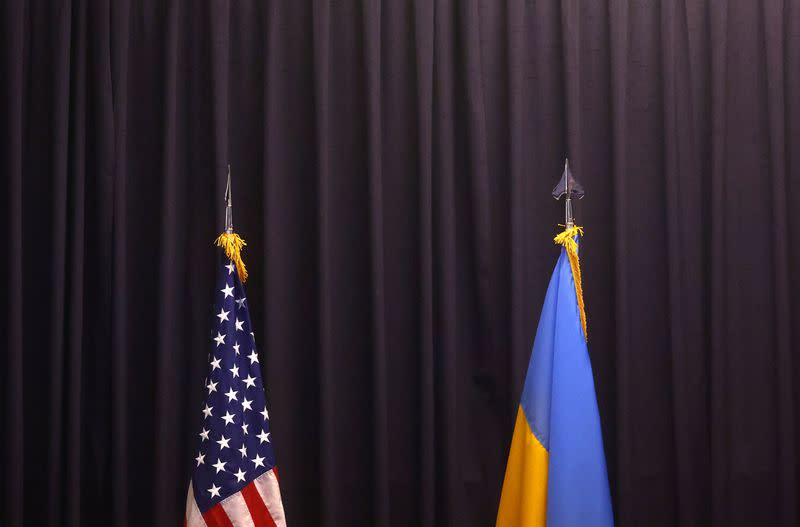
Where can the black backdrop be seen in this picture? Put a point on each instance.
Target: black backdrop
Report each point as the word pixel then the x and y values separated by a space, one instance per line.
pixel 392 166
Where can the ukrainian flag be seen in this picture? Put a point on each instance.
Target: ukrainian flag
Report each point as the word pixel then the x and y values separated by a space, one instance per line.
pixel 556 472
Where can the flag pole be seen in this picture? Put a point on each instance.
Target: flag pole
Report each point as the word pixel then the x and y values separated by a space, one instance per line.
pixel 229 205
pixel 569 220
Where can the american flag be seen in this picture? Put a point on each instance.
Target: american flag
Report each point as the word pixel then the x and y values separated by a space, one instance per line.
pixel 235 480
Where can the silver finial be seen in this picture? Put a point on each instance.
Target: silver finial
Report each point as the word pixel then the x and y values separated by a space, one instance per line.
pixel 568 187
pixel 228 205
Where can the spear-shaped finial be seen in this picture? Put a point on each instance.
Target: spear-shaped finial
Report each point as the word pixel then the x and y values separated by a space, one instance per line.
pixel 569 187
pixel 229 240
pixel 228 205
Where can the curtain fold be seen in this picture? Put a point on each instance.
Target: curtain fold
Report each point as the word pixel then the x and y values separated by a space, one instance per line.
pixel 392 164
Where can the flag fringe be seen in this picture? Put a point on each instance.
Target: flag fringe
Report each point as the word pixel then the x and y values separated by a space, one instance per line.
pixel 232 243
pixel 567 240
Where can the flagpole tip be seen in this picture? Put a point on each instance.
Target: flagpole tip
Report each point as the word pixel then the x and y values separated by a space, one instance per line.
pixel 228 205
pixel 568 188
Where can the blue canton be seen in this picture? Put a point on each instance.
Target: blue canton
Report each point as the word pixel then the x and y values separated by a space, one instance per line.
pixel 234 445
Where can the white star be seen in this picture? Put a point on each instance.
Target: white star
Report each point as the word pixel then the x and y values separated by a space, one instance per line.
pixel 207 411
pixel 234 371
pixel 228 418
pixel 223 315
pixel 239 325
pixel 246 404
pixel 250 381
pixel 219 465
pixel 239 475
pixel 240 301
pixel 229 267
pixel 212 387
pixel 236 347
pixel 243 450
pixel 220 338
pixel 214 490
pixel 215 364
pixel 265 413
pixel 223 443
pixel 244 428
pixel 231 395
pixel 253 336
pixel 200 459
pixel 259 461
pixel 204 435
pixel 263 437
pixel 253 357
pixel 228 291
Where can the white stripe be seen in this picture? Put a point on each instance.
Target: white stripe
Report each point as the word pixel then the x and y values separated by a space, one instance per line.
pixel 236 509
pixel 267 486
pixel 193 516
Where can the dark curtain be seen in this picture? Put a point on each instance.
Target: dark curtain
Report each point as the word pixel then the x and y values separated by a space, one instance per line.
pixel 392 165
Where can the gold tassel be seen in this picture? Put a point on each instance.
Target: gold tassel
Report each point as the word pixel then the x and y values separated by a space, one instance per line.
pixel 233 243
pixel 567 240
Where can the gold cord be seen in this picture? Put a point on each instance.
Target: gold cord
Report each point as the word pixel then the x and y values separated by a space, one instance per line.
pixel 567 240
pixel 232 243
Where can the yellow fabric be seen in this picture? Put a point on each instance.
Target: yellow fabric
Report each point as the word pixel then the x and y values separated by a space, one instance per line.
pixel 523 502
pixel 567 239
pixel 233 243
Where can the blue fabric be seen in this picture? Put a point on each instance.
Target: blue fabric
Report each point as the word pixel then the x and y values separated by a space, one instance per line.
pixel 535 400
pixel 560 404
pixel 232 450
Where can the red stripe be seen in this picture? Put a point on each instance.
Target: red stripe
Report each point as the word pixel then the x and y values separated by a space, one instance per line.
pixel 259 511
pixel 216 517
pixel 275 470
